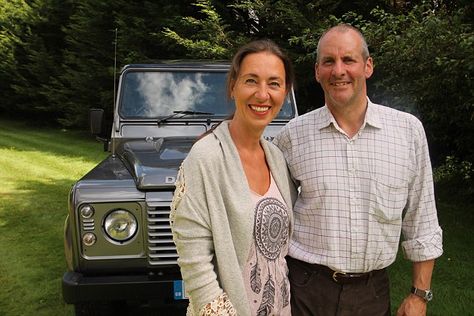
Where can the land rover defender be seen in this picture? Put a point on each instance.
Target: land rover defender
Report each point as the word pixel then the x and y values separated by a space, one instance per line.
pixel 117 237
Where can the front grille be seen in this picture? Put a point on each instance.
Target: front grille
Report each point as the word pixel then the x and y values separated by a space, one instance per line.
pixel 88 224
pixel 161 248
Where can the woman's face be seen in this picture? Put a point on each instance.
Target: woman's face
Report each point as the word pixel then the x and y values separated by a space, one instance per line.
pixel 259 89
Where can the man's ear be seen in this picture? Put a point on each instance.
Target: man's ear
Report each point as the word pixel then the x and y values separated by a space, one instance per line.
pixel 369 68
pixel 316 71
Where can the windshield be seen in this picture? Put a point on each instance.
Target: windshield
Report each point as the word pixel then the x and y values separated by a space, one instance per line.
pixel 156 94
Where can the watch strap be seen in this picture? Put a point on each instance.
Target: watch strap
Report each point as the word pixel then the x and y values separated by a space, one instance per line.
pixel 427 295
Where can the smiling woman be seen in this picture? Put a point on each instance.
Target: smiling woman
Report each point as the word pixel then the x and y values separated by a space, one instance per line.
pixel 233 198
pixel 258 92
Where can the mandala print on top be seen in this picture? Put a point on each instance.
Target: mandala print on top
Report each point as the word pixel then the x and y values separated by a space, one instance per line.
pixel 271 227
pixel 271 230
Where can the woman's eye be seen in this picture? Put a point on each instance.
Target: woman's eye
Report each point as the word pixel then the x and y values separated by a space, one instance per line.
pixel 275 84
pixel 250 80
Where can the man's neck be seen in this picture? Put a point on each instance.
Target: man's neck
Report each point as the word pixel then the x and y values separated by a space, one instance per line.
pixel 350 118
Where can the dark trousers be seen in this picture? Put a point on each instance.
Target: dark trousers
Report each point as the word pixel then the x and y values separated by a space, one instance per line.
pixel 315 293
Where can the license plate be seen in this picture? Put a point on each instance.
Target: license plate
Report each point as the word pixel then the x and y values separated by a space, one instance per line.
pixel 179 292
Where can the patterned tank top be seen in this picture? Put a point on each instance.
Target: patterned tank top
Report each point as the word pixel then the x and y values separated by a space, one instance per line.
pixel 266 273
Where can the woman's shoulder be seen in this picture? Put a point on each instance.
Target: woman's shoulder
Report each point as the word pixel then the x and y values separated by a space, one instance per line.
pixel 273 153
pixel 204 151
pixel 210 146
pixel 272 148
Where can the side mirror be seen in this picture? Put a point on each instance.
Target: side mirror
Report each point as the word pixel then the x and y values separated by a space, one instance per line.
pixel 96 121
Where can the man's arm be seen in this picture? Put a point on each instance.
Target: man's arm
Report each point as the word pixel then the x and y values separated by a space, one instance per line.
pixel 414 305
pixel 420 228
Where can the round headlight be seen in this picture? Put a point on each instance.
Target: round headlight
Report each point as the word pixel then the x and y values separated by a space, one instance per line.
pixel 120 225
pixel 89 239
pixel 87 211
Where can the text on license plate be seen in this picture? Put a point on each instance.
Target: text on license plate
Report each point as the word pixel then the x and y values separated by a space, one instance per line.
pixel 178 289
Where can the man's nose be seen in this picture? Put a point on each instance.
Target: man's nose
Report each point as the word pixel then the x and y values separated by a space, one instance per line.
pixel 339 68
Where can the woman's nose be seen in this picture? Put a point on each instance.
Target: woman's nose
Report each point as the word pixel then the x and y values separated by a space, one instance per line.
pixel 262 92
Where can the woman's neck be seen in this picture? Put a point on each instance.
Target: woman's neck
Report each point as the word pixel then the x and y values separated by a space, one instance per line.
pixel 243 137
pixel 252 156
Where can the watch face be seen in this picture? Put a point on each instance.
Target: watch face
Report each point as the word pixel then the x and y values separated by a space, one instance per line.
pixel 429 295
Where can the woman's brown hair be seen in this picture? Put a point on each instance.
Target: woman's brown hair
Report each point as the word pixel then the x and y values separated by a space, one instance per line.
pixel 258 46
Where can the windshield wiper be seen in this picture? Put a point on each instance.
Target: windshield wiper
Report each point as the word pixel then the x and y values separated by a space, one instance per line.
pixel 183 114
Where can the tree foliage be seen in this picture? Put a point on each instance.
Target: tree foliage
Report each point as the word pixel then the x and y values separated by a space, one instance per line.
pixel 57 56
pixel 16 19
pixel 424 65
pixel 205 38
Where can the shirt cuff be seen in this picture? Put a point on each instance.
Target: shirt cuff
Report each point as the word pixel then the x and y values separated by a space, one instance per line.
pixel 425 247
pixel 219 306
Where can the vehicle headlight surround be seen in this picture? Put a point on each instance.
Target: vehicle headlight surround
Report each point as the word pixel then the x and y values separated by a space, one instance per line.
pixel 120 225
pixel 89 239
pixel 87 211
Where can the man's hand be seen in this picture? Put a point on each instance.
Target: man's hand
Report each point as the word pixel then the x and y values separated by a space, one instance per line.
pixel 412 305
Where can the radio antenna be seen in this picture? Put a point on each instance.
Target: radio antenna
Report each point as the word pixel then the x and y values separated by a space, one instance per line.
pixel 115 93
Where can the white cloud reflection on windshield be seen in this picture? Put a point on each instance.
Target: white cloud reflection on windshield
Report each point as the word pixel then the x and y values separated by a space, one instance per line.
pixel 165 92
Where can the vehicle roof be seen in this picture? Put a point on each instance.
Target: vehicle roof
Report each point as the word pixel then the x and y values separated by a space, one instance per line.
pixel 198 64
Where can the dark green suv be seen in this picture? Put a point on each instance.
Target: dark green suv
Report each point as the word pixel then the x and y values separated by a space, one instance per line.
pixel 117 237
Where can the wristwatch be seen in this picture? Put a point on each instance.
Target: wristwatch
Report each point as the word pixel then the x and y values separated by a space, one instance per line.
pixel 427 295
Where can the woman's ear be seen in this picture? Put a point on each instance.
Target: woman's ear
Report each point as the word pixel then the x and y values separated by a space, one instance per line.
pixel 232 85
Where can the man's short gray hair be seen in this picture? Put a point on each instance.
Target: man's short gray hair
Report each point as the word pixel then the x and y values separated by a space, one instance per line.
pixel 342 28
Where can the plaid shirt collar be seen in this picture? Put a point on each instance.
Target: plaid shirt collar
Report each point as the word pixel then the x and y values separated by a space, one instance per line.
pixel 372 117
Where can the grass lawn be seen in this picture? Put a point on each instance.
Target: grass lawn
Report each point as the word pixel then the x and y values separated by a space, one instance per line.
pixel 452 283
pixel 37 169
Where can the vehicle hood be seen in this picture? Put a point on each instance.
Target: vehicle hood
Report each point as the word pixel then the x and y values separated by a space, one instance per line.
pixel 154 163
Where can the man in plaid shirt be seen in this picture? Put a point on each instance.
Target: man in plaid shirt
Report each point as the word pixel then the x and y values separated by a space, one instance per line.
pixel 365 181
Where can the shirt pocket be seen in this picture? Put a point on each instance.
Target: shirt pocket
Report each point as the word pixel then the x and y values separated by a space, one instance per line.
pixel 388 199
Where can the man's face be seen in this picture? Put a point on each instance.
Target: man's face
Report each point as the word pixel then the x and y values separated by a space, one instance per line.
pixel 341 69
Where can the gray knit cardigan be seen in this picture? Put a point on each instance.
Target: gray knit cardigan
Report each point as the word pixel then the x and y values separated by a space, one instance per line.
pixel 213 217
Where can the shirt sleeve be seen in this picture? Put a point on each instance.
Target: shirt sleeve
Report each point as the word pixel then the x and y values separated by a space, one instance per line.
pixel 283 141
pixel 192 236
pixel 420 228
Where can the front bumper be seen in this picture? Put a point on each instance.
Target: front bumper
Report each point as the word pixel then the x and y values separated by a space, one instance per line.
pixel 78 288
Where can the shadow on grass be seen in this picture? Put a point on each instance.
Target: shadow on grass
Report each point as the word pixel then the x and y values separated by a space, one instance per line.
pixel 55 141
